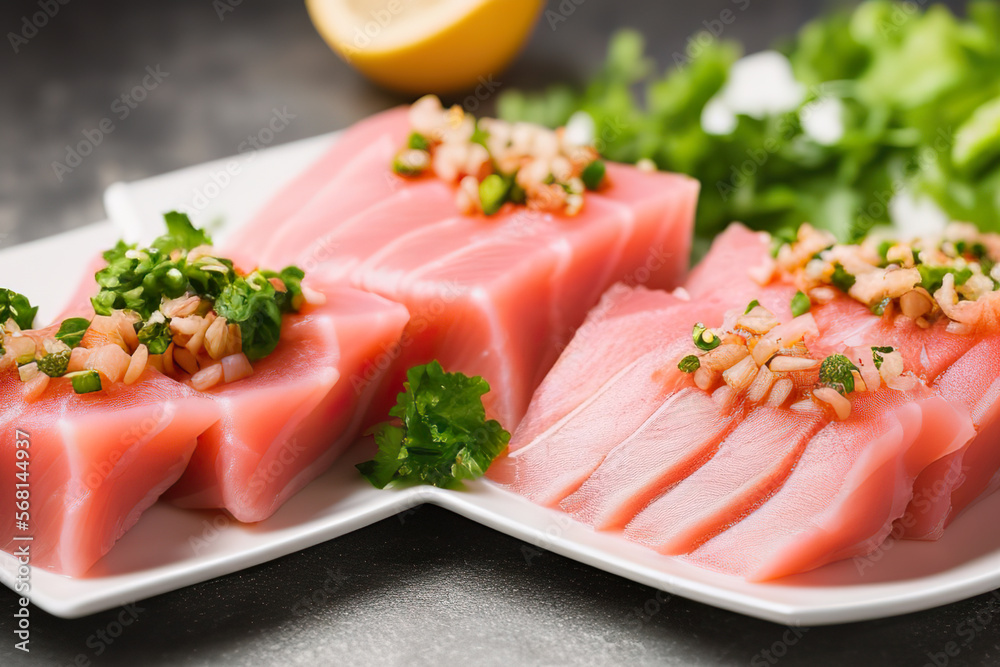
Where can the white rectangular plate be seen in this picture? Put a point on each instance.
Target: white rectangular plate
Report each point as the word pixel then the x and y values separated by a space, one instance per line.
pixel 171 548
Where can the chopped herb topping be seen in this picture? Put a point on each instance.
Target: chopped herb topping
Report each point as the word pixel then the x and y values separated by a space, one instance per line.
pixel 156 336
pixel 494 162
pixel 905 277
pixel 493 193
pixel 689 364
pixel 879 307
pixel 593 174
pixel 251 303
pixel 85 382
pixel 800 304
pixel 418 142
pixel 290 299
pixel 139 279
pixel 14 306
pixel 704 338
pixel 54 364
pixel 877 353
pixel 932 277
pixel 750 306
pixel 836 372
pixel 72 330
pixel 841 279
pixel 443 436
pixel 411 162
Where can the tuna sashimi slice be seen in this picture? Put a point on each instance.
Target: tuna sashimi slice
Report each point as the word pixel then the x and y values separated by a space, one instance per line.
pixel 851 483
pixel 285 424
pixel 681 436
pixel 256 235
pixel 629 322
pixel 302 237
pixel 97 461
pixel 950 485
pixel 496 296
pixel 555 463
pixel 642 317
pixel 750 465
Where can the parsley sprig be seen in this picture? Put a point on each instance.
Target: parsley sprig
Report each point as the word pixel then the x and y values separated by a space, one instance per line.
pixel 443 436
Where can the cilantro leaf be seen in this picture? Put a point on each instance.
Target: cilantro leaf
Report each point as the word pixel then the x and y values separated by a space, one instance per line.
pixel 251 303
pixel 181 234
pixel 14 306
pixel 72 330
pixel 156 336
pixel 800 304
pixel 932 277
pixel 918 104
pixel 443 436
pixel 289 301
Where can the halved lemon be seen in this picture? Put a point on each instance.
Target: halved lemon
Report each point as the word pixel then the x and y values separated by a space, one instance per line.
pixel 426 46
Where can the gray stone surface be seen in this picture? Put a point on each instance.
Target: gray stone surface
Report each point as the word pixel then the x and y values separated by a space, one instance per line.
pixel 426 587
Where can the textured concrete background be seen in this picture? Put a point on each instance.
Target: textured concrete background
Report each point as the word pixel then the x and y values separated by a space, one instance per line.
pixel 426 587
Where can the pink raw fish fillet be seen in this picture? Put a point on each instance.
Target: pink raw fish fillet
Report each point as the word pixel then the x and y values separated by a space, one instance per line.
pixel 296 193
pixel 681 436
pixel 495 296
pixel 760 493
pixel 285 424
pixel 751 463
pixel 851 482
pixel 949 486
pixel 97 461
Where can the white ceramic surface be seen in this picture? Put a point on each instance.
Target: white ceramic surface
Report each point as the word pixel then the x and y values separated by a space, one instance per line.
pixel 172 548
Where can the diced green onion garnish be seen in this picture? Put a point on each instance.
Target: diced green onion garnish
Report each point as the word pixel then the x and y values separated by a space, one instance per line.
pixel 836 372
pixel 800 304
pixel 704 338
pixel 85 382
pixel 841 279
pixel 493 193
pixel 593 174
pixel 517 194
pixel 54 364
pixel 156 336
pixel 879 308
pixel 877 353
pixel 71 331
pixel 411 162
pixel 689 364
pixel 418 142
pixel 750 306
